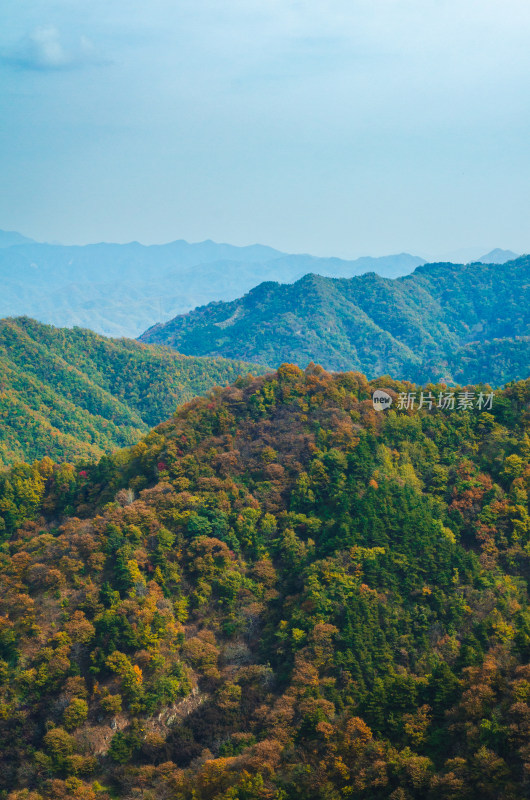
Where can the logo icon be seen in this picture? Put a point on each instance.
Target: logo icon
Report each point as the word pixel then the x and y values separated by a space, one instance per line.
pixel 381 400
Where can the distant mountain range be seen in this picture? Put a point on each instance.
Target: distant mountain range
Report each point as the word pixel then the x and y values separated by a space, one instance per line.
pixel 73 394
pixel 122 289
pixel 460 323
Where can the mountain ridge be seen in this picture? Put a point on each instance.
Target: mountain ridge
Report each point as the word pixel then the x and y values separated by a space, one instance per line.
pixel 412 327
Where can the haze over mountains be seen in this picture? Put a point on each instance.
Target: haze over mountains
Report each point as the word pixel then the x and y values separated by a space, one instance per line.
pixel 122 289
pixel 392 314
pixel 459 323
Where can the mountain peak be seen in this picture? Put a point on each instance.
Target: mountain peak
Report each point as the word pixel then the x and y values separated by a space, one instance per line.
pixel 12 238
pixel 498 256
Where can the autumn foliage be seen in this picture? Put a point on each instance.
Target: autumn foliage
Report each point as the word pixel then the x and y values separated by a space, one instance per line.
pixel 277 594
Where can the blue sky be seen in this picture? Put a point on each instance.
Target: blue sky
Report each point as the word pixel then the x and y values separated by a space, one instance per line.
pixel 345 127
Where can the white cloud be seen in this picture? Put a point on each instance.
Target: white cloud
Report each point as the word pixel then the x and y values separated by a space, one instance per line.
pixel 45 50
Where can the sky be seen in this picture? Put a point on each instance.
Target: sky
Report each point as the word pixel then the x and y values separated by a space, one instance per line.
pixel 334 127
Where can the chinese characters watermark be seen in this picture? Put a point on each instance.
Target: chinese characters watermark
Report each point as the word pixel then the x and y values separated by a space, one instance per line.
pixel 445 401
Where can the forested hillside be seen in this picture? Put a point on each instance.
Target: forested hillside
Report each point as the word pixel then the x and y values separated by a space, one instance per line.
pixel 71 393
pixel 278 594
pixel 436 324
